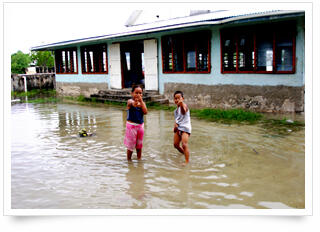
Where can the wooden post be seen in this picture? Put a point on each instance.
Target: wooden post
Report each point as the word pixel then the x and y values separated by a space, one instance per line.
pixel 25 84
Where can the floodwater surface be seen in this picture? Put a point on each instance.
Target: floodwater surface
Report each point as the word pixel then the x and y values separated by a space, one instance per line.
pixel 231 166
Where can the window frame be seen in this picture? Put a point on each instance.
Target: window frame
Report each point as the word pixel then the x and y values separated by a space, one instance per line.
pixel 275 30
pixel 176 39
pixel 94 49
pixel 59 60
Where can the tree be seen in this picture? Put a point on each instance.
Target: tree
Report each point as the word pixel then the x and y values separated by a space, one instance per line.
pixel 43 59
pixel 19 62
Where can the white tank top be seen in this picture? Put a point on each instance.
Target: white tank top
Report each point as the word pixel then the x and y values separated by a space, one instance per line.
pixel 183 120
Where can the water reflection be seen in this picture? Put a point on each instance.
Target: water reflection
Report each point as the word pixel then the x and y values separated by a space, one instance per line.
pixel 136 181
pixel 231 166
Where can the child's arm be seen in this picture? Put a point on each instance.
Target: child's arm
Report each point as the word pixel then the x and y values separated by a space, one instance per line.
pixel 183 107
pixel 129 103
pixel 143 105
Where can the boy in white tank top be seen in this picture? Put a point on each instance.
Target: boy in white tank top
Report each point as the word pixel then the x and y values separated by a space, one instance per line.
pixel 182 125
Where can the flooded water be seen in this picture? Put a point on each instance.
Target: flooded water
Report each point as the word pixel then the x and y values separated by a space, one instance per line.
pixel 231 166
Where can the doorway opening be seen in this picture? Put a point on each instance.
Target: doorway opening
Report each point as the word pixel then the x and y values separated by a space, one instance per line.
pixel 132 63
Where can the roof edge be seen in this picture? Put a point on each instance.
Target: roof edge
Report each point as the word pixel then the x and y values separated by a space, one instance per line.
pixel 160 28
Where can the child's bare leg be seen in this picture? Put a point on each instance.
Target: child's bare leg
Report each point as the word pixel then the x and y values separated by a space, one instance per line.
pixel 176 142
pixel 139 151
pixel 185 147
pixel 129 154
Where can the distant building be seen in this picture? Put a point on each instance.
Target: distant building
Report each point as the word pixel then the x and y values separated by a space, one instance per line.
pixel 224 59
pixel 33 69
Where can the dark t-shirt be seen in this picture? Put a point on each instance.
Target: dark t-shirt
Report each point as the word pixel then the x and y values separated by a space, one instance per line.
pixel 135 114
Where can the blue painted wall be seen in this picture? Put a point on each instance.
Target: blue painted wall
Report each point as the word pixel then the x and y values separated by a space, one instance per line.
pixel 83 78
pixel 216 77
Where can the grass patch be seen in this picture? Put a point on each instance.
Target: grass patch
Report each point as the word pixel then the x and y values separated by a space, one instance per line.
pixel 93 101
pixel 215 115
pixel 82 99
pixel 157 106
pixel 271 127
pixel 36 96
pixel 114 103
pixel 227 116
pixel 42 100
pixel 34 93
pixel 275 127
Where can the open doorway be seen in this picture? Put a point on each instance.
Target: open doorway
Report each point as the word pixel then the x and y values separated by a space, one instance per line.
pixel 132 63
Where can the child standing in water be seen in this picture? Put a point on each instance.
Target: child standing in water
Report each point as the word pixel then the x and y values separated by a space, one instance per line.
pixel 136 108
pixel 182 126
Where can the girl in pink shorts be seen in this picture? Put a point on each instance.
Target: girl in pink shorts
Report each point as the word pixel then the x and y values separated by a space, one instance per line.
pixel 136 108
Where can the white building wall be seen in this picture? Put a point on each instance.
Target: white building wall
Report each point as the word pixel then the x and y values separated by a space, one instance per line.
pixel 151 66
pixel 115 66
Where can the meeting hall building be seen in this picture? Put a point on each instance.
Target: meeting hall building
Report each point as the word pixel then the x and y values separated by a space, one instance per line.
pixel 220 59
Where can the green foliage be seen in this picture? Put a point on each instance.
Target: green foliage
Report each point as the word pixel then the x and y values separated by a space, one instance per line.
pixel 281 126
pixel 43 59
pixel 81 98
pixel 37 96
pixel 114 103
pixel 157 106
pixel 43 100
pixel 219 115
pixel 34 93
pixel 19 62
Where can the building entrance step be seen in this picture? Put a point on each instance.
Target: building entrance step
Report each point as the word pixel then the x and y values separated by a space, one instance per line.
pixel 124 94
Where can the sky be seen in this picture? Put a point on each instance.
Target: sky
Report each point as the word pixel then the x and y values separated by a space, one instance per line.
pixel 33 24
pixel 28 25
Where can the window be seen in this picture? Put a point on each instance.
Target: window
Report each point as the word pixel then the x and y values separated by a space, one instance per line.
pixel 229 53
pixel 94 59
pixel 284 52
pixel 66 61
pixel 186 53
pixel 245 52
pixel 261 49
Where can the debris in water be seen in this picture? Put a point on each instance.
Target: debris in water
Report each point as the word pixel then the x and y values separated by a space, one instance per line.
pixel 84 133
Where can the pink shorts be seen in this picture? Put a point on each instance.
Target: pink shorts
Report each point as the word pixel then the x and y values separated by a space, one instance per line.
pixel 134 136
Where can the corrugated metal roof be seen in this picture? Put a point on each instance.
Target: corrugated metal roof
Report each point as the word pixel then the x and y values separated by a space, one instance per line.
pixel 217 17
pixel 212 16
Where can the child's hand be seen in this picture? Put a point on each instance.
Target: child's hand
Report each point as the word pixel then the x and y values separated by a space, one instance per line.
pixel 138 101
pixel 130 102
pixel 175 129
pixel 180 102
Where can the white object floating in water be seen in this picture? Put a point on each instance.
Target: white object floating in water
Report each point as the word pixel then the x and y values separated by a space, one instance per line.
pixel 249 194
pixel 289 121
pixel 220 165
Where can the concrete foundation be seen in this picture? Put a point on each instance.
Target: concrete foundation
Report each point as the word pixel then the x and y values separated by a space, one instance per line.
pixel 256 98
pixel 34 81
pixel 77 89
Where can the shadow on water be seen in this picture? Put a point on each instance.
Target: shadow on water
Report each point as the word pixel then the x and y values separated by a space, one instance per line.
pixel 231 166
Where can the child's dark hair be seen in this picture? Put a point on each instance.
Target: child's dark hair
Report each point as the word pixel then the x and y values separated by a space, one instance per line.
pixel 178 92
pixel 136 86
